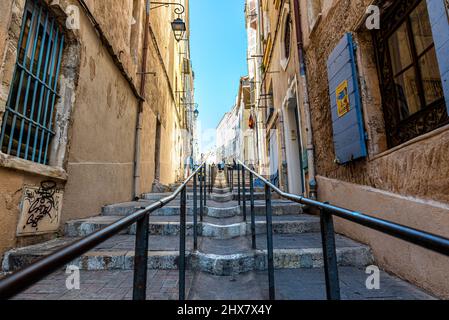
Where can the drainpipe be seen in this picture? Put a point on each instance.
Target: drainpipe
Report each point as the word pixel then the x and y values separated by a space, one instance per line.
pixel 143 74
pixel 303 74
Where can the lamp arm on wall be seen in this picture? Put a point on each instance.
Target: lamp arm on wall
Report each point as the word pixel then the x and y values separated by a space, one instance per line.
pixel 180 9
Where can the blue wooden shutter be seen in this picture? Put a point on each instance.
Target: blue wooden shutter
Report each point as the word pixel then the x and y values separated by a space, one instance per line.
pixel 349 132
pixel 439 19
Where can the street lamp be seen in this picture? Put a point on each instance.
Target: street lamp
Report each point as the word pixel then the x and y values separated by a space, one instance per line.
pixel 196 113
pixel 179 28
pixel 178 25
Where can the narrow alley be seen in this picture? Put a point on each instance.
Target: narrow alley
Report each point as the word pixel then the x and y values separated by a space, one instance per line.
pixel 211 150
pixel 224 266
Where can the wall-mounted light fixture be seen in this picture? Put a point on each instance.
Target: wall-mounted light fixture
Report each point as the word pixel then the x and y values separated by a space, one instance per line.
pixel 178 25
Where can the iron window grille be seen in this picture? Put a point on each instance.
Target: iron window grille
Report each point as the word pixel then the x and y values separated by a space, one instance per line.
pixel 405 118
pixel 28 120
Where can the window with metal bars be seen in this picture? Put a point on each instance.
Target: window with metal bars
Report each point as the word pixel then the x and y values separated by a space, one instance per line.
pixel 411 84
pixel 26 130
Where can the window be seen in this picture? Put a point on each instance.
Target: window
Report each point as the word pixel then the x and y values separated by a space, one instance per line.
pixel 27 123
pixel 269 111
pixel 411 84
pixel 287 36
pixel 286 32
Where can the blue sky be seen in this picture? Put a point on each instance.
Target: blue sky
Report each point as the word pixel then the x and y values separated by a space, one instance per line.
pixel 218 50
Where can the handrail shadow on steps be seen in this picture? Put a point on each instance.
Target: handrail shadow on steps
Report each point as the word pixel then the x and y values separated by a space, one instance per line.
pixel 420 238
pixel 26 277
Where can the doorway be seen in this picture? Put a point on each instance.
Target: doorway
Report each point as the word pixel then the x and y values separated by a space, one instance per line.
pixel 294 149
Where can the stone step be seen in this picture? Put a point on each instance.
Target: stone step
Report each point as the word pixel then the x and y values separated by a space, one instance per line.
pixel 221 190
pixel 219 257
pixel 257 195
pixel 210 227
pixel 213 209
pixel 226 197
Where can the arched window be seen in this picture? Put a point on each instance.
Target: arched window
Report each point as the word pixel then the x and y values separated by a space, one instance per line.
pixel 287 36
pixel 286 32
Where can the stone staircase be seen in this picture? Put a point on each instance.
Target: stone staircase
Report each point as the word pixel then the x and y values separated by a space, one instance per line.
pixel 224 243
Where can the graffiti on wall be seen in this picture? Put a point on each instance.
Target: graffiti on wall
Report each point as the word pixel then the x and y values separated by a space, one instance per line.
pixel 40 209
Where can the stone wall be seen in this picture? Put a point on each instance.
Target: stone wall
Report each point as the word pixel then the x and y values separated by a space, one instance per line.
pixel 419 168
pixel 407 184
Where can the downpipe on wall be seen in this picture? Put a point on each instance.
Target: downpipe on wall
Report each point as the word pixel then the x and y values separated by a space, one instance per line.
pixel 139 124
pixel 313 185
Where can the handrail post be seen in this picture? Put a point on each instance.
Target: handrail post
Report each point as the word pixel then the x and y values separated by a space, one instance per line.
pixel 205 185
pixel 253 214
pixel 244 193
pixel 210 179
pixel 182 247
pixel 238 182
pixel 200 177
pixel 270 253
pixel 232 180
pixel 330 256
pixel 195 213
pixel 141 259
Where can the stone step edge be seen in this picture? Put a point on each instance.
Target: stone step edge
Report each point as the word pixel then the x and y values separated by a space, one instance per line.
pixel 205 229
pixel 221 265
pixel 226 212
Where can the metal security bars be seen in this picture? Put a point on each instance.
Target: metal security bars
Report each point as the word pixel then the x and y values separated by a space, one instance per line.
pixel 26 130
pixel 21 280
pixel 327 212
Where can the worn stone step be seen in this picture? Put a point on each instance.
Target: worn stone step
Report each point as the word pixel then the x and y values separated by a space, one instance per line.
pixel 257 196
pixel 226 197
pixel 221 190
pixel 210 227
pixel 213 208
pixel 118 254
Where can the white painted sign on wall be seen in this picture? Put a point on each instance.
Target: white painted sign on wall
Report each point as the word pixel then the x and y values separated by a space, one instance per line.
pixel 40 209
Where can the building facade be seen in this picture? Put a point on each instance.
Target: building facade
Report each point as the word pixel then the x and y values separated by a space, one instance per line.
pixel 280 139
pixel 86 117
pixel 353 110
pixel 228 137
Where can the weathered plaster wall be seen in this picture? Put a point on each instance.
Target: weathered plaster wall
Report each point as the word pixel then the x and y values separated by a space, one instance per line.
pixel 98 112
pixel 101 169
pixel 15 174
pixel 419 266
pixel 100 163
pixel 11 191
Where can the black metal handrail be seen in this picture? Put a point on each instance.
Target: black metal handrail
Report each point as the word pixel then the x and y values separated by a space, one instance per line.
pixel 22 279
pixel 327 211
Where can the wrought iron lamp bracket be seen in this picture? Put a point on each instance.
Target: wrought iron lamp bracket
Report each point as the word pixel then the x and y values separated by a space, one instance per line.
pixel 179 10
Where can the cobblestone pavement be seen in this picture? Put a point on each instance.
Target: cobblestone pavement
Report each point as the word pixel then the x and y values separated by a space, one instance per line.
pixel 299 284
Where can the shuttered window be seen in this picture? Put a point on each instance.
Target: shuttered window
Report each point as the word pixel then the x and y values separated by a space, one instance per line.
pixel 28 120
pixel 346 107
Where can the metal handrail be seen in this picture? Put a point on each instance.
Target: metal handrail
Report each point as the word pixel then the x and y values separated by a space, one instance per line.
pixel 420 238
pixel 22 279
